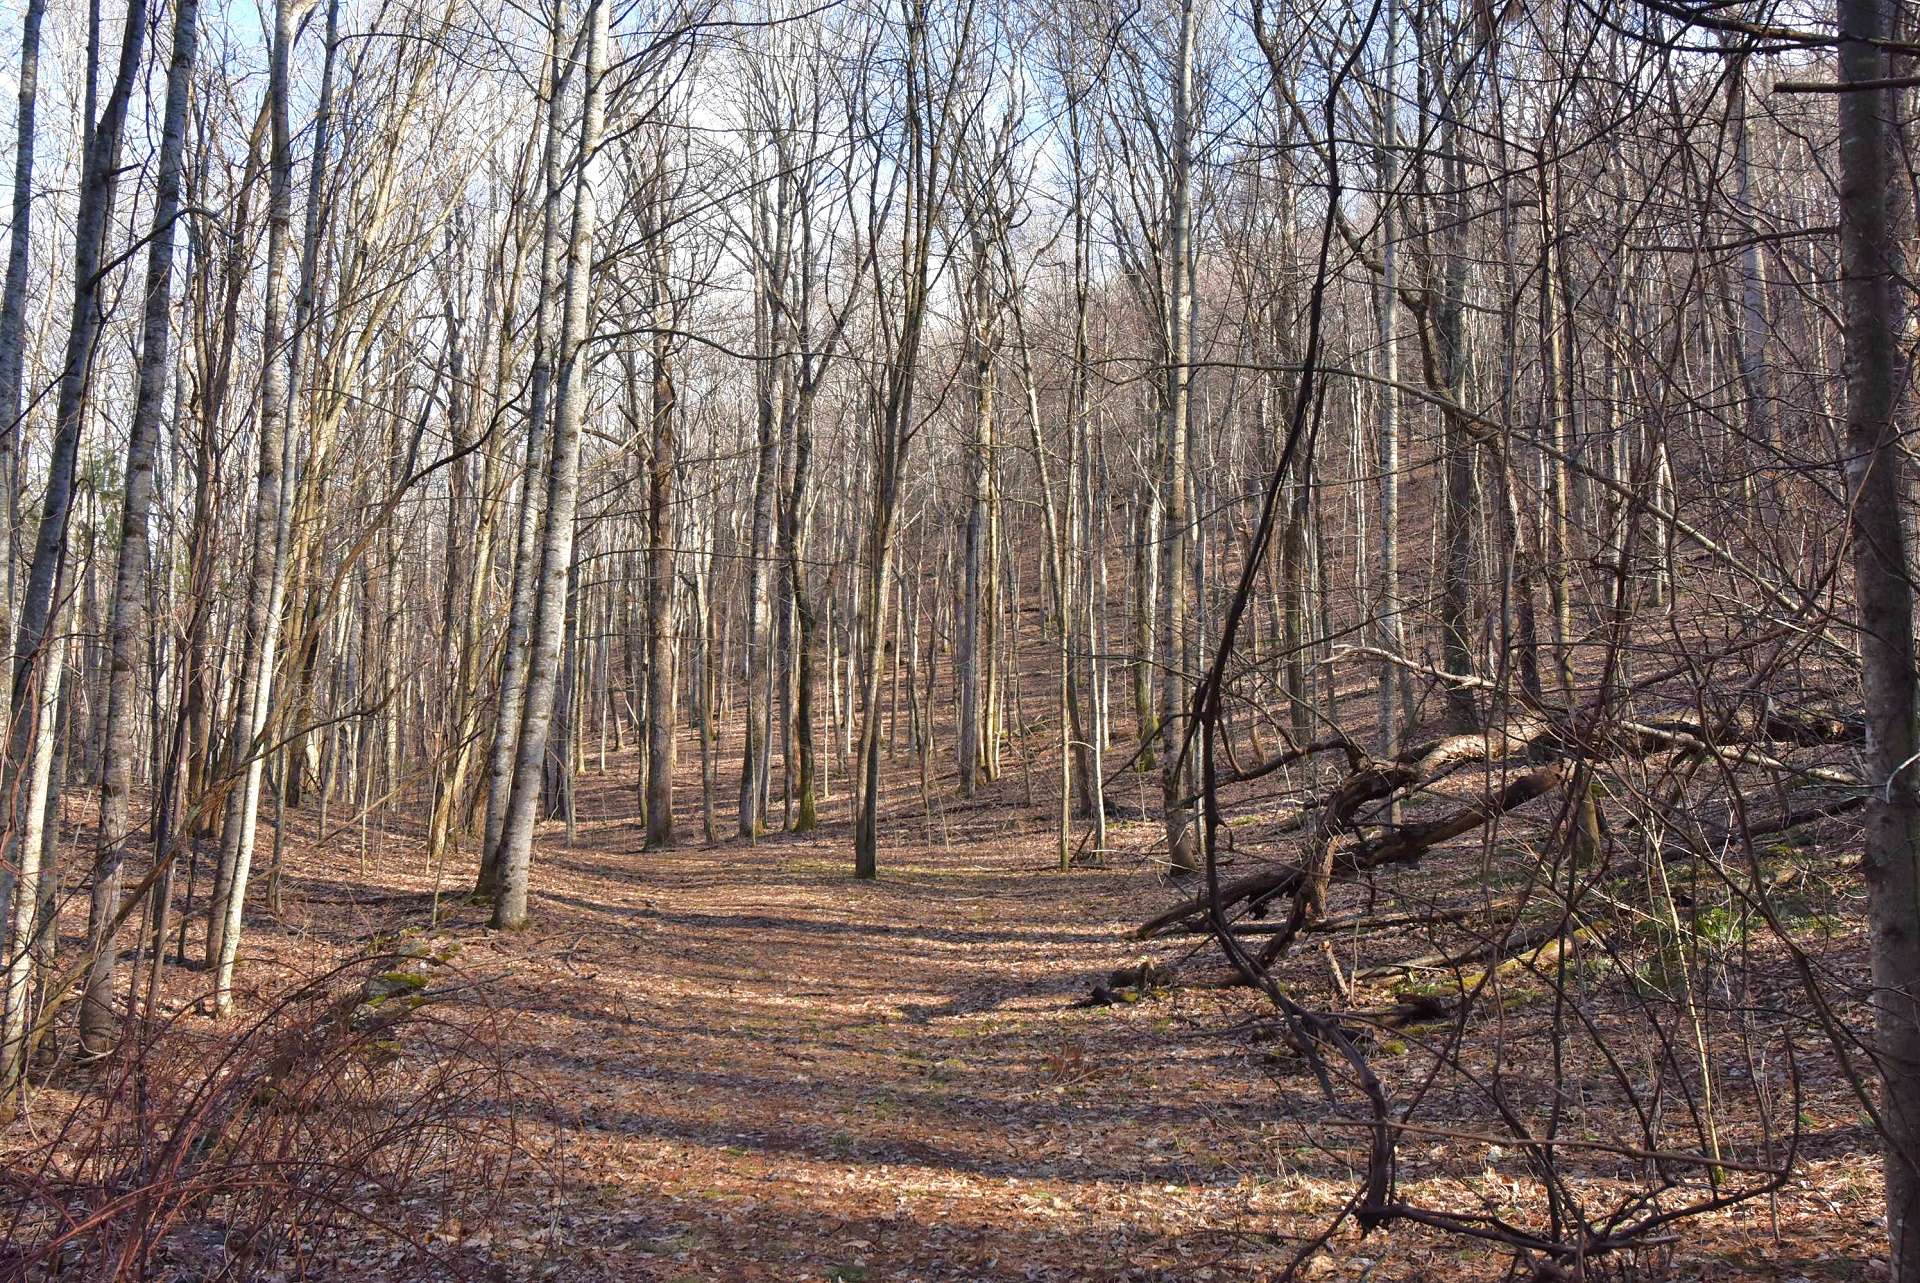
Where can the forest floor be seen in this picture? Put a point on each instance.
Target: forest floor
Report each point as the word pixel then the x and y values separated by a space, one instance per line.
pixel 737 1062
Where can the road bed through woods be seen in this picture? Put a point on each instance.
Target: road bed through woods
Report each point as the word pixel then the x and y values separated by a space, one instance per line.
pixel 738 1062
pixel 746 1065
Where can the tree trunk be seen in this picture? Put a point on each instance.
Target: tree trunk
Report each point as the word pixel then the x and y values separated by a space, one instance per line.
pixel 1396 686
pixel 23 950
pixel 502 749
pixel 563 489
pixel 1873 230
pixel 127 624
pixel 26 763
pixel 1176 548
pixel 1450 361
pixel 256 665
pixel 13 320
pixel 662 634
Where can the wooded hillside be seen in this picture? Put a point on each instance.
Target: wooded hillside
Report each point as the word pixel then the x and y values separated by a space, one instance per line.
pixel 1323 584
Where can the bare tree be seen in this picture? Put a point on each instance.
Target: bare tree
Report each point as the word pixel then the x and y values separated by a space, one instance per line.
pixel 128 622
pixel 513 660
pixel 36 678
pixel 1875 224
pixel 515 855
pixel 251 706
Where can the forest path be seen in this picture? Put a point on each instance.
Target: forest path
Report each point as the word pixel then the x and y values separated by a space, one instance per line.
pixel 740 1063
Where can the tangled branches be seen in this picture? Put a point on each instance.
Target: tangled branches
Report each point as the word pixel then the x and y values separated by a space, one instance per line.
pixel 343 1125
pixel 1586 1002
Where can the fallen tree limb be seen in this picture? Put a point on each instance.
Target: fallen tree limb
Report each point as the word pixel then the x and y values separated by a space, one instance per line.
pixel 1403 844
pixel 1359 923
pixel 1336 849
pixel 1543 943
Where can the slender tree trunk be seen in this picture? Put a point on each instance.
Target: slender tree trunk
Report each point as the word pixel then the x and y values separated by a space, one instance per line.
pixel 1557 414
pixel 1396 686
pixel 1146 600
pixel 806 623
pixel 256 665
pixel 128 624
pixel 23 950
pixel 13 321
pixel 505 743
pixel 1176 548
pixel 772 222
pixel 1091 733
pixel 1450 360
pixel 1751 338
pixel 563 488
pixel 35 691
pixel 893 414
pixel 1874 225
pixel 866 841
pixel 703 609
pixel 972 654
pixel 662 633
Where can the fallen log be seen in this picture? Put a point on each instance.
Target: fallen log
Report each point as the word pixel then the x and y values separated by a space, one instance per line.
pixel 1330 849
pixel 1479 955
pixel 1351 855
